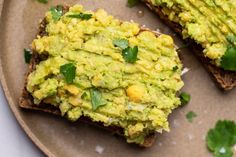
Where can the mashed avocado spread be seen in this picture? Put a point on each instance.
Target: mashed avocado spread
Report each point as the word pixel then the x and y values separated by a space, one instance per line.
pixel 208 22
pixel 137 96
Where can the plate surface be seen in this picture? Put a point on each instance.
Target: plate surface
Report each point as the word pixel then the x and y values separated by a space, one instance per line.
pixel 58 137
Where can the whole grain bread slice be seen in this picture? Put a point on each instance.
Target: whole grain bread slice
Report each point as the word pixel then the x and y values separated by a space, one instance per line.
pixel 226 80
pixel 26 100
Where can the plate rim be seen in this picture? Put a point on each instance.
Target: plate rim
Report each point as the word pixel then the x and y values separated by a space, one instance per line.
pixel 14 108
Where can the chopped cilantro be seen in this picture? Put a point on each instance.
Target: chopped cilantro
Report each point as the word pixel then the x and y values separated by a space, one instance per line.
pixel 175 68
pixel 56 12
pixel 231 38
pixel 223 152
pixel 130 54
pixel 96 98
pixel 221 138
pixel 121 43
pixel 184 98
pixel 43 1
pixel 190 116
pixel 228 61
pixel 131 3
pixel 80 16
pixel 27 55
pixel 68 71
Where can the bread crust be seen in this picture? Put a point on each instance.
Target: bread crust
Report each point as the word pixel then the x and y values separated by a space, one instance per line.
pixel 26 99
pixel 225 80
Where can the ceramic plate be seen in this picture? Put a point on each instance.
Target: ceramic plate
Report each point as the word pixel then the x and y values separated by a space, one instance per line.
pixel 60 138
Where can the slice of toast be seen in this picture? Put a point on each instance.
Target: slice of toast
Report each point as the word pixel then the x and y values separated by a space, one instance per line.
pixel 226 80
pixel 26 100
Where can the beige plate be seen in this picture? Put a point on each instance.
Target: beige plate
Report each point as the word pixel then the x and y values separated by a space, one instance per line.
pixel 57 137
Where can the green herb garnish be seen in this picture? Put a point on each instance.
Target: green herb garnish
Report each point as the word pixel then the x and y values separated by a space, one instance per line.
pixel 131 3
pixel 228 61
pixel 175 68
pixel 231 39
pixel 184 98
pixel 222 138
pixel 130 54
pixel 27 55
pixel 121 43
pixel 68 71
pixel 43 1
pixel 190 116
pixel 223 152
pixel 56 12
pixel 80 16
pixel 96 98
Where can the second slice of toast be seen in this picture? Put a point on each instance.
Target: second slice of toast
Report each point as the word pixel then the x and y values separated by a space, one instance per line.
pixel 225 79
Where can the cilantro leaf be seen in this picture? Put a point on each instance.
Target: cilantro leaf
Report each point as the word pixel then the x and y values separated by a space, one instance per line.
pixel 223 152
pixel 184 98
pixel 43 1
pixel 130 54
pixel 68 71
pixel 96 98
pixel 231 38
pixel 190 116
pixel 228 61
pixel 175 68
pixel 121 43
pixel 221 138
pixel 80 16
pixel 131 3
pixel 27 55
pixel 56 12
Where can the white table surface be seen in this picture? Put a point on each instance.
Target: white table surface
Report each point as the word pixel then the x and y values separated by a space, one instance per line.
pixel 13 141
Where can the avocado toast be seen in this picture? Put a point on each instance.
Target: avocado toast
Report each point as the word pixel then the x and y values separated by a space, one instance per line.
pixel 209 27
pixel 91 67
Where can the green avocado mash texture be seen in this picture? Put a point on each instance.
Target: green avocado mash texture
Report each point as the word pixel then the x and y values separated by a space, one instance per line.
pixel 137 97
pixel 208 22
